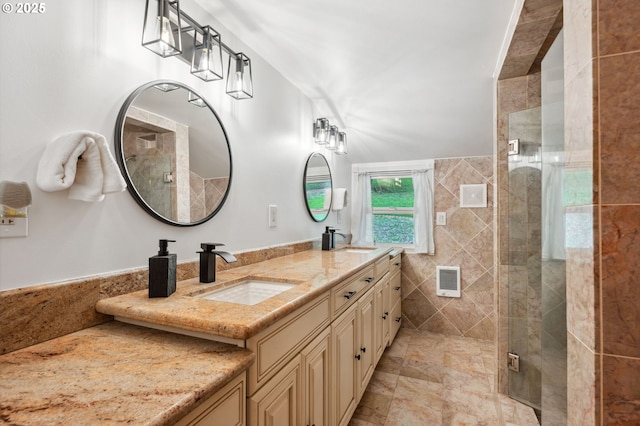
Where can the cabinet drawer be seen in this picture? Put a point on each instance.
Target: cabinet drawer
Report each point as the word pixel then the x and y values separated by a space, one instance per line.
pixel 344 294
pixel 395 285
pixel 227 407
pixel 381 267
pixel 395 263
pixel 279 343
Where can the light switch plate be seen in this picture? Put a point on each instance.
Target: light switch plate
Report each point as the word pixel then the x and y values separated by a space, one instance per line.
pixel 273 216
pixel 13 227
pixel 441 218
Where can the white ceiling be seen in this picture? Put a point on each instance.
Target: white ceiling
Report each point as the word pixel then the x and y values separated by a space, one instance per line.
pixel 405 79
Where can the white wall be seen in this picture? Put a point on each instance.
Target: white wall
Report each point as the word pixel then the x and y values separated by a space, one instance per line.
pixel 71 68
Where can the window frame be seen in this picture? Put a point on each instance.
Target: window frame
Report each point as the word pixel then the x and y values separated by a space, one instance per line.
pixel 390 169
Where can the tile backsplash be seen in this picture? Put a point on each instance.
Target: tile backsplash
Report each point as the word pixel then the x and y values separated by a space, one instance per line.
pixel 35 314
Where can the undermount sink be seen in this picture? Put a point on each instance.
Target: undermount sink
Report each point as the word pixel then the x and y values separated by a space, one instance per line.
pixel 250 292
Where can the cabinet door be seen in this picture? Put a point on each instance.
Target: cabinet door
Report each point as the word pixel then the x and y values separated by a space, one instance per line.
pixel 366 338
pixel 277 403
pixel 380 318
pixel 396 321
pixel 344 348
pixel 316 369
pixel 395 296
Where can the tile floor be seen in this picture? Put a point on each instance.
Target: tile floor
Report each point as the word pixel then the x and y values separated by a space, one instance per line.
pixel 433 379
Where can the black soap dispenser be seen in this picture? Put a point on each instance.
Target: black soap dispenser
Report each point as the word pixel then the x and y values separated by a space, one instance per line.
pixel 162 271
pixel 328 238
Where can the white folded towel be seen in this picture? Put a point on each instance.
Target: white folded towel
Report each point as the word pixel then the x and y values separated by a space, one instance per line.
pixel 339 199
pixel 81 162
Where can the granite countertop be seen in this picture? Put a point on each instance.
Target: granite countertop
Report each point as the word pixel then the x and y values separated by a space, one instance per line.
pixel 314 272
pixel 114 373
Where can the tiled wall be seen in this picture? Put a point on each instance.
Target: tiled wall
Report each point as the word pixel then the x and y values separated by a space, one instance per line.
pixel 205 195
pixel 467 241
pixel 602 135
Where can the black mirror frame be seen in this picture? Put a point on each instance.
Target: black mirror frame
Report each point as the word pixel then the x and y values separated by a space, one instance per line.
pixel 118 139
pixel 304 187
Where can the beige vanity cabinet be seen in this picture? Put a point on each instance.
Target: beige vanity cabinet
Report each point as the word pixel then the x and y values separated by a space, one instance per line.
pixel 353 341
pixel 316 381
pixel 313 365
pixel 227 407
pixel 276 387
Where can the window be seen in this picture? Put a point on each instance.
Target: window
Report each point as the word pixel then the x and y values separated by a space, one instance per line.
pixel 392 203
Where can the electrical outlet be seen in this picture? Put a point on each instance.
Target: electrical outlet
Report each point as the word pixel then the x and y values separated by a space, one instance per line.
pixel 441 218
pixel 13 227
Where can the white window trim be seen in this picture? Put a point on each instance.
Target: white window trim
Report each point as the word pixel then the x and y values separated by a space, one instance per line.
pixel 402 168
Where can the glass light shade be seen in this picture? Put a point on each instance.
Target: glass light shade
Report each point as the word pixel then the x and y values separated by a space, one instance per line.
pixel 196 100
pixel 161 32
pixel 206 62
pixel 342 143
pixel 166 87
pixel 333 138
pixel 239 84
pixel 321 131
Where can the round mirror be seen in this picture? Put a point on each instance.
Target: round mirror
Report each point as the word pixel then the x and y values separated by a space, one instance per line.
pixel 317 186
pixel 174 153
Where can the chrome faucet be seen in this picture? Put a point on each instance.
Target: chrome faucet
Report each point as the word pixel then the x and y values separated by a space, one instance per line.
pixel 208 261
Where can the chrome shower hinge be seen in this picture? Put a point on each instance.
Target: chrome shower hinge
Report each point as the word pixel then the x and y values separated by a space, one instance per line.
pixel 513 362
pixel 514 147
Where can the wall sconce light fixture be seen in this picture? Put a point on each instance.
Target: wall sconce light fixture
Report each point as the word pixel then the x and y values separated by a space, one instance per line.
pixel 321 131
pixel 333 138
pixel 329 136
pixel 341 148
pixel 239 83
pixel 163 32
pixel 206 62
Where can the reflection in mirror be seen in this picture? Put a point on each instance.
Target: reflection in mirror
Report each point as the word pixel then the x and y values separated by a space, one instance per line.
pixel 173 153
pixel 317 186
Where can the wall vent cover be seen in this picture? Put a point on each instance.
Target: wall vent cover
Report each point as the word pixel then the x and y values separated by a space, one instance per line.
pixel 448 281
pixel 473 195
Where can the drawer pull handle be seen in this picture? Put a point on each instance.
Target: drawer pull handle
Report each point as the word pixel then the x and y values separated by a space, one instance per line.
pixel 368 279
pixel 350 295
pixel 398 288
pixel 398 319
pixel 397 264
pixel 358 357
pixel 363 349
pixel 384 317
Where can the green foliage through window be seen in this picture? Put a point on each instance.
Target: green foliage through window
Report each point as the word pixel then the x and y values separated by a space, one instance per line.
pixel 392 202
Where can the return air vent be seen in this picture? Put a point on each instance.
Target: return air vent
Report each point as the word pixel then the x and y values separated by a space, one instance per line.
pixel 448 281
